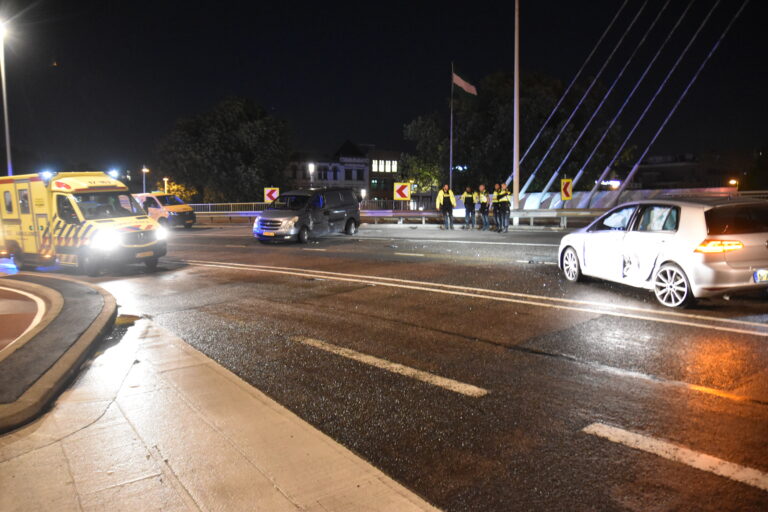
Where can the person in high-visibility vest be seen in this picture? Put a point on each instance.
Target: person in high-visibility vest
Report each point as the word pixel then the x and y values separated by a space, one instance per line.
pixel 505 203
pixel 469 199
pixel 495 205
pixel 445 203
pixel 483 200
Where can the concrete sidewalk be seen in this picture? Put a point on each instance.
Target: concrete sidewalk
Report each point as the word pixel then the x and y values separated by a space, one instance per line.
pixel 152 424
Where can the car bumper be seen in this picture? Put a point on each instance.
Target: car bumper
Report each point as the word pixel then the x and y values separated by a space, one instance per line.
pixel 181 220
pixel 130 254
pixel 291 233
pixel 717 278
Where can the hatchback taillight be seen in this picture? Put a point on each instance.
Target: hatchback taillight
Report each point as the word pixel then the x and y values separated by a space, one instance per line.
pixel 713 246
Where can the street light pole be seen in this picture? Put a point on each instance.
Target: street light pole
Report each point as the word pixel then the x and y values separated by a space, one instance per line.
pixel 311 168
pixel 3 32
pixel 516 122
pixel 165 185
pixel 144 172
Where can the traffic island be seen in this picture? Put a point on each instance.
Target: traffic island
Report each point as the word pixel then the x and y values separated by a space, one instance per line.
pixel 37 366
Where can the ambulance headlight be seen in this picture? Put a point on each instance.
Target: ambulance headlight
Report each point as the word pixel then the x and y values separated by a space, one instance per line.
pixel 106 240
pixel 161 233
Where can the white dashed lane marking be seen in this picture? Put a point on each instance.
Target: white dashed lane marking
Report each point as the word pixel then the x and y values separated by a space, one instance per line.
pixel 676 453
pixel 407 371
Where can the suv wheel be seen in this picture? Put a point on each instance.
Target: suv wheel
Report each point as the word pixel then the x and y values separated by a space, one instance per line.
pixel 351 227
pixel 304 235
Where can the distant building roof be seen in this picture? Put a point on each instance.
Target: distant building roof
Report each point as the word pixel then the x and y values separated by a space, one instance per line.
pixel 350 150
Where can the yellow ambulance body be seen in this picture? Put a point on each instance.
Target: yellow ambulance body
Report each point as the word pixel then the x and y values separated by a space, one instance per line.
pixel 82 219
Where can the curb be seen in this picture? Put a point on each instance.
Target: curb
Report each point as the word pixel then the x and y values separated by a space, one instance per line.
pixel 45 389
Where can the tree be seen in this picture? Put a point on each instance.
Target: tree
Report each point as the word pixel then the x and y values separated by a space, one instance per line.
pixel 228 154
pixel 424 166
pixel 186 194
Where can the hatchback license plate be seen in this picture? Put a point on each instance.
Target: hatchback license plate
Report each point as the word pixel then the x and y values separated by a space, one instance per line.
pixel 144 254
pixel 761 276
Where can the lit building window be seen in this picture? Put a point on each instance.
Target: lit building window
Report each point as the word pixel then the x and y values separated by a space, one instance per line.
pixel 388 166
pixel 394 166
pixel 375 166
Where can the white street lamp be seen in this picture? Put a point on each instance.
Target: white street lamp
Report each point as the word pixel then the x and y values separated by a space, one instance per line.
pixel 311 168
pixel 3 32
pixel 363 193
pixel 165 185
pixel 144 172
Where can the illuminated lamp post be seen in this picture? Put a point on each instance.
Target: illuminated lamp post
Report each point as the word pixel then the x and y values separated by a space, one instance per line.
pixel 165 185
pixel 144 172
pixel 311 167
pixel 3 32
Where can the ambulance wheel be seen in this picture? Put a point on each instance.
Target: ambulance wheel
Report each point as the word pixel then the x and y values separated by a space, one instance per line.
pixel 351 227
pixel 87 265
pixel 151 264
pixel 304 235
pixel 18 261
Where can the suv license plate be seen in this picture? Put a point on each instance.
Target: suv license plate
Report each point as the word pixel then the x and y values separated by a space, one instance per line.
pixel 268 233
pixel 761 276
pixel 144 254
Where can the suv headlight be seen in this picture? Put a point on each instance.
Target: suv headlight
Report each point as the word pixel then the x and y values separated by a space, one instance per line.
pixel 290 222
pixel 256 222
pixel 106 240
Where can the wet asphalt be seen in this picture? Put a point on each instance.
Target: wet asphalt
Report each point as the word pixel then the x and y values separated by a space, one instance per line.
pixel 554 357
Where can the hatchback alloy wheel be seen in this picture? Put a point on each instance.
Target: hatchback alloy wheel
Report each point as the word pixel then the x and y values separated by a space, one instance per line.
pixel 671 286
pixel 571 265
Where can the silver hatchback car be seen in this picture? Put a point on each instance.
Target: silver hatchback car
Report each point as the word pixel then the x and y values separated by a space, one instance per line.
pixel 680 249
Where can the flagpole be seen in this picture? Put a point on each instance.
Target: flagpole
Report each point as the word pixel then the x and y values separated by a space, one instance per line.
pixel 450 144
pixel 516 123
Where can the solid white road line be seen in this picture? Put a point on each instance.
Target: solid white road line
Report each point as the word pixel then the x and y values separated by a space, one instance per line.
pixel 680 454
pixel 40 303
pixel 429 378
pixel 416 254
pixel 314 249
pixel 473 242
pixel 683 319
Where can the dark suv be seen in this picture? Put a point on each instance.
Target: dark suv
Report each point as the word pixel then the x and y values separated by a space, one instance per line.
pixel 301 214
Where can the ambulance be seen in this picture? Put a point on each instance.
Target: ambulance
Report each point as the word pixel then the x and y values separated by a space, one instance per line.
pixel 78 219
pixel 167 209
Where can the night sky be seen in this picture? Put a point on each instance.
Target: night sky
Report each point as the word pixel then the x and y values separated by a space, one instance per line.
pixel 100 82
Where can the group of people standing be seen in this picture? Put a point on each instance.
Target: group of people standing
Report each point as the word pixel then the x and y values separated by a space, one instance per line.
pixel 497 203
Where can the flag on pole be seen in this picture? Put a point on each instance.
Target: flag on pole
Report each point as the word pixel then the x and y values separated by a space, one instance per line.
pixel 468 87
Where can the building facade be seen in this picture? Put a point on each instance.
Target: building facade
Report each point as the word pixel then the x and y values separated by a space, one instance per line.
pixel 370 172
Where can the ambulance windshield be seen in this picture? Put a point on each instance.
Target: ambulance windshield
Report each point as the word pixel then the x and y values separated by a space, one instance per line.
pixel 107 205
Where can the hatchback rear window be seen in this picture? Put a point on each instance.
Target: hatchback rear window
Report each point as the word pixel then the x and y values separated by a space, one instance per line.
pixel 737 219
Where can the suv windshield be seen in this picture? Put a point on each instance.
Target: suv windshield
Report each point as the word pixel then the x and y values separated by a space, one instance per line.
pixel 107 205
pixel 169 200
pixel 289 202
pixel 737 219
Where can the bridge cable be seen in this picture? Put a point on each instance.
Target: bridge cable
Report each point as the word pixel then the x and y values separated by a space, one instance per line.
pixel 583 97
pixel 631 94
pixel 605 98
pixel 570 85
pixel 679 100
pixel 663 84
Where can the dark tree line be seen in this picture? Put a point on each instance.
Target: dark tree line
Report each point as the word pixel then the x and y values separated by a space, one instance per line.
pixel 228 154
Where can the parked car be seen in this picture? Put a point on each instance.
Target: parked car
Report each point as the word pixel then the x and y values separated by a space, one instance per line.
pixel 167 209
pixel 680 249
pixel 301 214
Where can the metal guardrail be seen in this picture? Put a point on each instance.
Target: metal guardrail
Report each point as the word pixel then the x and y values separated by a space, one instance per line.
pixel 228 207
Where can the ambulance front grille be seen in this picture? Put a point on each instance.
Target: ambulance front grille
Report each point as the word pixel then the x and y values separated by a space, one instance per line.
pixel 139 237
